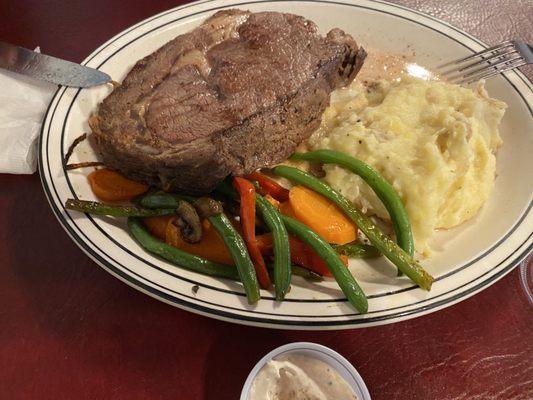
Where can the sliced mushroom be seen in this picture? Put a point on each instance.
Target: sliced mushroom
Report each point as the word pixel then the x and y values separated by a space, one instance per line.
pixel 188 222
pixel 207 207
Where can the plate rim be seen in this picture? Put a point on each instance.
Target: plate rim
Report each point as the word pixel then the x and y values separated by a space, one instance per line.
pixel 291 324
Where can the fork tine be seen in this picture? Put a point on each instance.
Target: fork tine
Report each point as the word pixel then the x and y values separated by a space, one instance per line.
pixel 488 67
pixel 502 45
pixel 505 53
pixel 473 79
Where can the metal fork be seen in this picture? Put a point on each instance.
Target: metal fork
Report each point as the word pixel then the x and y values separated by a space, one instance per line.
pixel 492 61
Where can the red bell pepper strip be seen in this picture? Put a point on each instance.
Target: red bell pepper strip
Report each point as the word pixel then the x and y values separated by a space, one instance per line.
pixel 247 212
pixel 301 254
pixel 269 186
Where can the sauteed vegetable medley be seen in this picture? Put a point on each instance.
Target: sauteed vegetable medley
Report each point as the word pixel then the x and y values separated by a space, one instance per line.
pixel 253 230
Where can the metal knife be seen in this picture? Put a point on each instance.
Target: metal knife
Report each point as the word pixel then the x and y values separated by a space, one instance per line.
pixel 47 68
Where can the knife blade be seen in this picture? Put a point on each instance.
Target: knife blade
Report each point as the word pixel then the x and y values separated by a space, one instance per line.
pixel 51 69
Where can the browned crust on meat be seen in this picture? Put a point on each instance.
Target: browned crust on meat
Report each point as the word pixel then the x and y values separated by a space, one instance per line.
pixel 261 139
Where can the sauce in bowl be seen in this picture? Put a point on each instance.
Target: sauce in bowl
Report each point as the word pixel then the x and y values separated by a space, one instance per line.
pixel 295 376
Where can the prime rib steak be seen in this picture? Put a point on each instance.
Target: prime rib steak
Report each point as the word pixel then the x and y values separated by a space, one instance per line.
pixel 237 93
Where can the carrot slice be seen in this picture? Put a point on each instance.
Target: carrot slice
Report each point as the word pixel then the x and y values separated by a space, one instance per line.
pixel 272 201
pixel 210 247
pixel 286 209
pixel 109 185
pixel 158 225
pixel 321 215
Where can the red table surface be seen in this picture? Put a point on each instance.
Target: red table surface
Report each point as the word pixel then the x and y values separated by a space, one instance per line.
pixel 68 329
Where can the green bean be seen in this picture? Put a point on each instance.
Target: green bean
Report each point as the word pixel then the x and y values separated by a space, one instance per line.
pixel 383 189
pixel 306 273
pixel 176 256
pixel 239 252
pixel 96 208
pixel 405 263
pixel 342 275
pixel 163 200
pixel 356 250
pixel 229 235
pixel 281 247
pixel 280 239
pixel 194 263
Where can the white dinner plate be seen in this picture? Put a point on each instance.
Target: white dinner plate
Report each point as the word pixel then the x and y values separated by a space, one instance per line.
pixel 467 259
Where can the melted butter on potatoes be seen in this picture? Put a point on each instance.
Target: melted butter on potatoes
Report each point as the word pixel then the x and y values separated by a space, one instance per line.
pixel 434 142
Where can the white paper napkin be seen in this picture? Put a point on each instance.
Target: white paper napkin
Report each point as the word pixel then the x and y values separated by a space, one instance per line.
pixel 23 103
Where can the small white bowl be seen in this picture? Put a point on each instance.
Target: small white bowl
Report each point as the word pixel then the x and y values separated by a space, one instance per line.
pixel 322 353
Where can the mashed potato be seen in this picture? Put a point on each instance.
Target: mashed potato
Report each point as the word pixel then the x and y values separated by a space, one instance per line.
pixel 433 141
